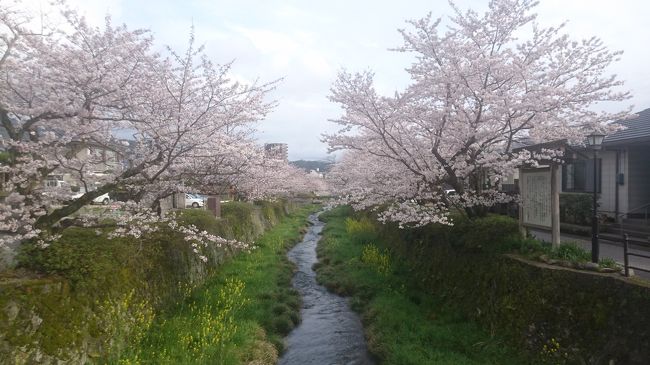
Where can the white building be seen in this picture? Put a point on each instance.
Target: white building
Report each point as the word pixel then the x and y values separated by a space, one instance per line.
pixel 277 151
pixel 623 169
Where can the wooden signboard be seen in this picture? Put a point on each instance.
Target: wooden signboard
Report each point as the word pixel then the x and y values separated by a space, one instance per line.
pixel 540 200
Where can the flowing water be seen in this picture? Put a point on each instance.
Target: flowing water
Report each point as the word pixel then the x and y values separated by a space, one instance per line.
pixel 330 333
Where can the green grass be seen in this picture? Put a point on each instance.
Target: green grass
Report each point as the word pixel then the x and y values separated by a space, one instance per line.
pixel 239 316
pixel 403 325
pixel 569 252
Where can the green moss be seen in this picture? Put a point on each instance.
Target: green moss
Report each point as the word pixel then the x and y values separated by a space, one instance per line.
pixel 89 294
pixel 243 219
pixel 205 221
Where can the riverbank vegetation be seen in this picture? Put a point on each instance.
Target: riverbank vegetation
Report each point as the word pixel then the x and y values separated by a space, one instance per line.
pixel 468 293
pixel 88 298
pixel 239 316
pixel 404 325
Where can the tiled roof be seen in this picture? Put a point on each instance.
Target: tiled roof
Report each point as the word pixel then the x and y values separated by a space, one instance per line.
pixel 637 129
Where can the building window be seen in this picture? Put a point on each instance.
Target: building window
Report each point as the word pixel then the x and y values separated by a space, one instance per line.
pixel 578 176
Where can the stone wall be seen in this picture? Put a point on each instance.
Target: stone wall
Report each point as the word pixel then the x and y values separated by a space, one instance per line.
pixel 86 296
pixel 563 315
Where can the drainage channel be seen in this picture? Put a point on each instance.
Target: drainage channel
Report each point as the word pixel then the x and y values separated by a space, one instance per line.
pixel 330 332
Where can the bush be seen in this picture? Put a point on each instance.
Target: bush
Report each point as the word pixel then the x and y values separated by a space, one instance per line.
pixel 205 221
pixel 575 208
pixel 491 232
pixel 529 247
pixel 89 260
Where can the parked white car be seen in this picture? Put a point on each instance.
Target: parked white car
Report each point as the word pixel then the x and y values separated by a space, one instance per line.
pixel 194 200
pixel 104 199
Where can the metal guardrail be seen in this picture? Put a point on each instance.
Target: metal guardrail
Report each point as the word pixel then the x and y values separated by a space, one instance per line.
pixel 626 254
pixel 646 209
pixel 642 210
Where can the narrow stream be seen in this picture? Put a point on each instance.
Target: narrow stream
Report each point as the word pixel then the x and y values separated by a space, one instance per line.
pixel 330 333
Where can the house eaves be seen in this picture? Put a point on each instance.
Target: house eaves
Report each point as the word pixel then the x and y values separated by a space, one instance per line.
pixel 637 130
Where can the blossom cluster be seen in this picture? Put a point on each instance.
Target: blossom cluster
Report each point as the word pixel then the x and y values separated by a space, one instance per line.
pixel 479 91
pixel 87 111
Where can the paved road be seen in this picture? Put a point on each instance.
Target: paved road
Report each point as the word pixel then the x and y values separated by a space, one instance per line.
pixel 607 249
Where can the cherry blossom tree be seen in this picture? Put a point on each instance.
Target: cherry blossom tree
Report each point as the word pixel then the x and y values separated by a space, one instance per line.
pixel 66 95
pixel 277 178
pixel 478 88
pixel 251 172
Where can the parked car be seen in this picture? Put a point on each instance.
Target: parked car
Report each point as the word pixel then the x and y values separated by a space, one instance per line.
pixel 194 200
pixel 103 199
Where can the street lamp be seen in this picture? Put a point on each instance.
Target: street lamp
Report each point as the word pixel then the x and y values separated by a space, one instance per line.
pixel 595 142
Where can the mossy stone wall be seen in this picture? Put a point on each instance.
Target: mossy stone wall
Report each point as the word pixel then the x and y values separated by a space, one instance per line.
pixel 563 315
pixel 86 296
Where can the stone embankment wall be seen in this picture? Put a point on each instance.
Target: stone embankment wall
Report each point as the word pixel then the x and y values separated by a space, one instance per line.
pixel 87 296
pixel 562 314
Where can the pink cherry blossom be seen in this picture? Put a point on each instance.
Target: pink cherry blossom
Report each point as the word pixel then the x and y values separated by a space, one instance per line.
pixel 478 88
pixel 69 90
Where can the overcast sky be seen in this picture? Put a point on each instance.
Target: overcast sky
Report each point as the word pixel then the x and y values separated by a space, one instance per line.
pixel 307 42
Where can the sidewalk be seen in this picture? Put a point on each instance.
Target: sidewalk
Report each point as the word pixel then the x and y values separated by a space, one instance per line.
pixel 607 249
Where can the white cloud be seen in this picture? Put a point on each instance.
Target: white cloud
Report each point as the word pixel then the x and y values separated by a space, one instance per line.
pixel 94 11
pixel 307 42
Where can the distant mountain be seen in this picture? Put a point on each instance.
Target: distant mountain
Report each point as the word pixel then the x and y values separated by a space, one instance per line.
pixel 323 166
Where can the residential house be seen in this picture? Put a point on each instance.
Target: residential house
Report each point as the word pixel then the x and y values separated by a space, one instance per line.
pixel 625 160
pixel 623 169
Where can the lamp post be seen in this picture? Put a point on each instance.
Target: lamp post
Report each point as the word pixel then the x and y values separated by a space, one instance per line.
pixel 595 141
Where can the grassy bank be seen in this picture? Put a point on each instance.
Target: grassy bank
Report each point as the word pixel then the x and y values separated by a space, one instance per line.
pixel 239 316
pixel 403 324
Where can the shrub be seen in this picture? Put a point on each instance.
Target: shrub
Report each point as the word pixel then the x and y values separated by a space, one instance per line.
pixel 205 221
pixel 566 315
pixel 490 232
pixel 529 247
pixel 86 258
pixel 575 208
